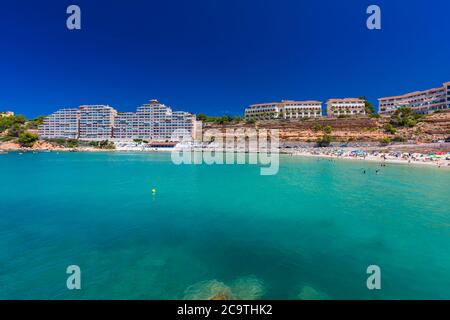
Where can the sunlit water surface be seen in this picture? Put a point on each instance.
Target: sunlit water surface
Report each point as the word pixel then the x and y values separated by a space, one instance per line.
pixel 223 230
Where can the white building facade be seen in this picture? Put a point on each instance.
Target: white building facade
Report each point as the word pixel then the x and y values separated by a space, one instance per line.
pixel 64 123
pixel 152 121
pixel 286 109
pixel 346 107
pixel 423 102
pixel 97 122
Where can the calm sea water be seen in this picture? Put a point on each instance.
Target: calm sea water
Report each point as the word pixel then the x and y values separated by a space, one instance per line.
pixel 308 232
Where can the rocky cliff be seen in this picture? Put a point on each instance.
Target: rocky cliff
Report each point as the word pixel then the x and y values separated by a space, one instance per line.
pixel 430 128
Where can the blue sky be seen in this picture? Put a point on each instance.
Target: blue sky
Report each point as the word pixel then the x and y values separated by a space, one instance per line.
pixel 216 56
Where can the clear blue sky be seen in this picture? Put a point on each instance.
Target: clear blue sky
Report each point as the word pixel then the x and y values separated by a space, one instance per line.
pixel 216 56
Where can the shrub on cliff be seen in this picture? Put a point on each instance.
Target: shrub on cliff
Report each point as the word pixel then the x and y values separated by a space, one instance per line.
pixel 390 128
pixel 27 139
pixel 399 139
pixel 327 129
pixel 67 143
pixel 219 120
pixel 405 117
pixel 385 141
pixel 105 144
pixel 35 123
pixel 324 141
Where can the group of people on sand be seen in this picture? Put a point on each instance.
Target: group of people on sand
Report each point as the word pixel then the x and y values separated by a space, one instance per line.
pixel 439 159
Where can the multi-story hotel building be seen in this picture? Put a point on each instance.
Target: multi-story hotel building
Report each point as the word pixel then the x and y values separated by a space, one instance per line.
pixel 420 101
pixel 125 125
pixel 97 122
pixel 152 121
pixel 64 123
pixel 301 109
pixel 263 111
pixel 346 107
pixel 286 109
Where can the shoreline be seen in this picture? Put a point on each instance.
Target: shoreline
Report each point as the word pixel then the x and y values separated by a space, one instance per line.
pixel 434 164
pixel 326 154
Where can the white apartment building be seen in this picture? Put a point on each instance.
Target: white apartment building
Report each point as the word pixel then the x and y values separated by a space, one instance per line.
pixel 97 122
pixel 346 107
pixel 286 109
pixel 125 125
pixel 157 121
pixel 152 121
pixel 301 109
pixel 64 123
pixel 420 101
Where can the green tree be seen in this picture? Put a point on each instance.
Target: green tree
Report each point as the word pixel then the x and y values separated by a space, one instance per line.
pixel 13 122
pixel 72 143
pixel 328 129
pixel 105 144
pixel 35 123
pixel 27 139
pixel 324 141
pixel 15 130
pixel 399 139
pixel 404 117
pixel 390 128
pixel 5 123
pixel 368 106
pixel 237 119
pixel 20 118
pixel 385 141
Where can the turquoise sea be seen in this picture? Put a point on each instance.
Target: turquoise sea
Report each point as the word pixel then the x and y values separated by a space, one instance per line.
pixel 308 232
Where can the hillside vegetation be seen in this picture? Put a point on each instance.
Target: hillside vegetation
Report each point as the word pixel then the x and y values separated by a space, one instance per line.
pixel 17 129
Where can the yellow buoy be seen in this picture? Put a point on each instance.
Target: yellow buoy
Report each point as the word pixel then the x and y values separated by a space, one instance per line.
pixel 153 190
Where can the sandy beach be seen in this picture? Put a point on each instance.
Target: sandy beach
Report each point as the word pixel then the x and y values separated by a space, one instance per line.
pixel 435 160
